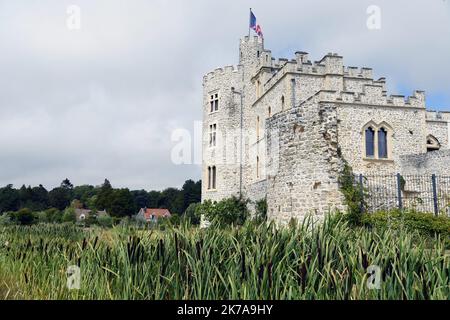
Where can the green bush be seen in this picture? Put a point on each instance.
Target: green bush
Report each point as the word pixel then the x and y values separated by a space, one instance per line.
pixel 191 213
pixel 225 212
pixel 54 215
pixel 41 217
pixel 5 219
pixel 426 223
pixel 105 221
pixel 353 195
pixel 24 216
pixel 69 215
pixel 261 210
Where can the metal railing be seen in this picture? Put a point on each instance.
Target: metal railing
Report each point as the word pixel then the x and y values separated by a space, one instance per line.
pixel 423 193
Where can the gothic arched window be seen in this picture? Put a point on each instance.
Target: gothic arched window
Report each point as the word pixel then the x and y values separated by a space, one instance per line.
pixel 382 144
pixel 432 143
pixel 370 142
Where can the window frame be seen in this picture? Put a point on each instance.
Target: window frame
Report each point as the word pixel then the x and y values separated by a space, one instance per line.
pixel 213 101
pixel 212 135
pixel 376 143
pixel 212 178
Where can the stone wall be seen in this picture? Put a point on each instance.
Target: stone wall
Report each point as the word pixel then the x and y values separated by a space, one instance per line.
pixel 304 162
pixel 406 133
pixel 437 162
pixel 440 130
pixel 225 155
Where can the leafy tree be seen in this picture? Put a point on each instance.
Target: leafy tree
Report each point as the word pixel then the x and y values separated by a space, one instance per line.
pixel 24 216
pixel 39 198
pixel 61 196
pixel 9 199
pixel 141 198
pixel 104 197
pixel 154 198
pixel 122 203
pixel 191 193
pixel 84 193
pixel 66 184
pixel 171 199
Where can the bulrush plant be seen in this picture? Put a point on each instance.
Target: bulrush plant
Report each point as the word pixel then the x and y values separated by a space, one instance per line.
pixel 253 261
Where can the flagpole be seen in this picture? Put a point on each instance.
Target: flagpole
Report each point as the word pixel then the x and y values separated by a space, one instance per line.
pixel 249 22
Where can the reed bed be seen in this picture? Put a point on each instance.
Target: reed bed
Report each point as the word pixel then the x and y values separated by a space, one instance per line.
pixel 254 261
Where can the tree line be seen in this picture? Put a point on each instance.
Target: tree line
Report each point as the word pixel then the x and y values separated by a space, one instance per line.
pixel 118 202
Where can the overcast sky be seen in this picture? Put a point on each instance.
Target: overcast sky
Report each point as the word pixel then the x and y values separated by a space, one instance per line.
pixel 102 101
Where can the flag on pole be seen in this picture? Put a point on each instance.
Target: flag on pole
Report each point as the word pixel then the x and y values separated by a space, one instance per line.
pixel 253 25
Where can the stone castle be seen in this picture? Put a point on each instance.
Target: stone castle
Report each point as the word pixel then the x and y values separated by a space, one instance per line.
pixel 282 130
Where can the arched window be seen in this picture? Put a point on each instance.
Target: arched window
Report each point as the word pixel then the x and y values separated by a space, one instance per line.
pixel 209 178
pixel 212 174
pixel 377 140
pixel 269 111
pixel 370 142
pixel 382 144
pixel 432 143
pixel 282 103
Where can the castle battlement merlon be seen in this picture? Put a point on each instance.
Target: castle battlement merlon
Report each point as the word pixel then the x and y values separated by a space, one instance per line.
pixel 220 72
pixel 375 95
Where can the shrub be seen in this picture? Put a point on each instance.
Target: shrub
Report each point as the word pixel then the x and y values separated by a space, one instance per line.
pixel 24 216
pixel 69 215
pixel 191 213
pixel 105 221
pixel 53 215
pixel 5 219
pixel 41 217
pixel 225 212
pixel 91 218
pixel 261 210
pixel 426 223
pixel 353 195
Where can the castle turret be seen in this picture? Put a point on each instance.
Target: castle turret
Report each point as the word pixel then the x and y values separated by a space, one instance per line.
pixel 250 50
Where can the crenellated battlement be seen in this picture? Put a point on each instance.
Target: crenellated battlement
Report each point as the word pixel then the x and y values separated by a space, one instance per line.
pixel 374 94
pixel 355 72
pixel 252 39
pixel 221 72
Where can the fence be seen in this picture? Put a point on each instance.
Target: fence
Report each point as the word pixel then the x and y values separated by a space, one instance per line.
pixel 423 193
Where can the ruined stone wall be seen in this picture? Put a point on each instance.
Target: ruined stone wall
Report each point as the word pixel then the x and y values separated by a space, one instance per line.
pixel 303 162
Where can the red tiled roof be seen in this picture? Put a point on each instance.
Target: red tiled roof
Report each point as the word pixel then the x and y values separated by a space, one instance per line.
pixel 158 213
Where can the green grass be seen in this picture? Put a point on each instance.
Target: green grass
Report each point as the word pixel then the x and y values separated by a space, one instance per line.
pixel 255 261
